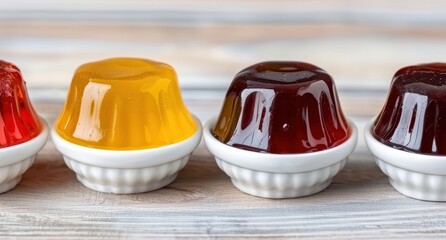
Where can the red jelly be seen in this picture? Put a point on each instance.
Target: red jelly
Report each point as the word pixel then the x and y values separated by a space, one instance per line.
pixel 282 107
pixel 413 118
pixel 18 121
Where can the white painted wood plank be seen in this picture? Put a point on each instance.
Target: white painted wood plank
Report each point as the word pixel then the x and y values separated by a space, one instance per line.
pixel 209 56
pixel 360 43
pixel 351 9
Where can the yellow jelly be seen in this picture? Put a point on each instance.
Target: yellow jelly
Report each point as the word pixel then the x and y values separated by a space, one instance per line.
pixel 125 104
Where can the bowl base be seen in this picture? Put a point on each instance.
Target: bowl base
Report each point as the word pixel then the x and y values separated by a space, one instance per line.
pixel 6 186
pixel 280 185
pixel 126 189
pixel 421 186
pixel 280 193
pixel 416 193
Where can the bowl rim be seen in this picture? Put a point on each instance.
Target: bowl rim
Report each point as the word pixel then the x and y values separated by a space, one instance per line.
pixel 138 158
pixel 19 152
pixel 417 162
pixel 279 163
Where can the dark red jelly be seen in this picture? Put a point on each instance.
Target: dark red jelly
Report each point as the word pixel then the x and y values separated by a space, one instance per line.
pixel 282 107
pixel 414 115
pixel 18 121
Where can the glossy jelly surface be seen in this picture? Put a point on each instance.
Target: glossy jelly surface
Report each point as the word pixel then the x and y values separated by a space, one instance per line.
pixel 125 104
pixel 414 115
pixel 18 121
pixel 282 107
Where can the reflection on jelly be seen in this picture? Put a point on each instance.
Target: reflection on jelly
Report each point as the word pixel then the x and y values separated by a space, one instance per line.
pixel 412 118
pixel 124 104
pixel 89 124
pixel 18 120
pixel 282 107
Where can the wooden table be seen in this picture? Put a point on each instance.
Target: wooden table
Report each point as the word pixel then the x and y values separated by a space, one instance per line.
pixel 361 44
pixel 202 202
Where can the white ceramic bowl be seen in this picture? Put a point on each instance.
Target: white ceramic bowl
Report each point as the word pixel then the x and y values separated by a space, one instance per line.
pixel 15 160
pixel 279 175
pixel 127 171
pixel 419 176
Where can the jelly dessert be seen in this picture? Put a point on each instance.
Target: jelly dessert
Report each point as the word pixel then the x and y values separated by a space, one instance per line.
pixel 281 132
pixel 18 121
pixel 408 136
pixel 125 104
pixel 413 116
pixel 282 107
pixel 22 132
pixel 124 127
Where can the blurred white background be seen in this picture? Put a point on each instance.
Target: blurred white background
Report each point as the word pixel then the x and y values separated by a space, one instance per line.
pixel 360 43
